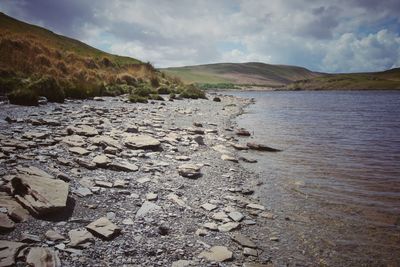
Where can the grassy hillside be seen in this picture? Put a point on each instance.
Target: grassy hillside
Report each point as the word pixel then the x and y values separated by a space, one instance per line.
pixel 251 73
pixel 37 62
pixel 389 79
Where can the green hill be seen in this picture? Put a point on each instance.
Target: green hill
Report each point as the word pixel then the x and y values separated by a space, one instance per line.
pixel 385 80
pixel 252 73
pixel 37 62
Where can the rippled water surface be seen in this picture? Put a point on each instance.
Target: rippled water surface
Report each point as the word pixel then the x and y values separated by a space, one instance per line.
pixel 340 149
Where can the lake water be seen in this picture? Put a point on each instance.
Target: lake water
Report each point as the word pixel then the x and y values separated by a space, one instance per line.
pixel 340 164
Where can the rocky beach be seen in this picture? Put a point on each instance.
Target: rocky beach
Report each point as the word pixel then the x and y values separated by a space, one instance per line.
pixel 104 182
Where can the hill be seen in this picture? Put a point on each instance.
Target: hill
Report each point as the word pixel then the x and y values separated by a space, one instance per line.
pixel 385 80
pixel 37 62
pixel 252 73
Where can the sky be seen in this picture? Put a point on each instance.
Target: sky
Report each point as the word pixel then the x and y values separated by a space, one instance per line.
pixel 322 35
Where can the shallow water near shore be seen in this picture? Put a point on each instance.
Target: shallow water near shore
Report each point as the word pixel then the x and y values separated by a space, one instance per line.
pixel 339 168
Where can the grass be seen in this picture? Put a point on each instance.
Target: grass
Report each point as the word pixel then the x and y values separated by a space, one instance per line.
pixel 241 73
pixel 36 61
pixel 356 81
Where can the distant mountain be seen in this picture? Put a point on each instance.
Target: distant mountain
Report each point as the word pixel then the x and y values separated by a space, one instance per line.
pixel 252 73
pixel 283 77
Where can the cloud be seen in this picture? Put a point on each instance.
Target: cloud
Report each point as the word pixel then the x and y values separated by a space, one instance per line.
pixel 375 51
pixel 336 35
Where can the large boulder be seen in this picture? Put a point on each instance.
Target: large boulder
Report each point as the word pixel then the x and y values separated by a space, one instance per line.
pixel 40 194
pixel 142 142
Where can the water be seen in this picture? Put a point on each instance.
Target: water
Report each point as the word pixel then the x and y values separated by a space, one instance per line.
pixel 340 162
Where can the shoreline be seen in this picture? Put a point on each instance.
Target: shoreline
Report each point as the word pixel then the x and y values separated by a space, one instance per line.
pixel 191 216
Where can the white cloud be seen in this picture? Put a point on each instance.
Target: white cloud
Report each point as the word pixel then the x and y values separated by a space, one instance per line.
pixel 335 35
pixel 375 51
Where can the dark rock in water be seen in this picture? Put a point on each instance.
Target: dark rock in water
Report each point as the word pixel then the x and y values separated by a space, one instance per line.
pixel 260 147
pixel 242 132
pixel 217 99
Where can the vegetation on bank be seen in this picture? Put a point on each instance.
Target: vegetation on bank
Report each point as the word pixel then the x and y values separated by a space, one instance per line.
pixel 36 62
pixel 352 81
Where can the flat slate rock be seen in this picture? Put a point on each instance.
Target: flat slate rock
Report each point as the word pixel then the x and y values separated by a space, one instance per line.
pixel 9 251
pixel 146 208
pixel 104 227
pixel 229 226
pixel 217 254
pixel 243 240
pixel 80 238
pixel 14 210
pixel 43 257
pixel 6 223
pixel 40 194
pixel 141 142
pixel 124 166
pixel 189 171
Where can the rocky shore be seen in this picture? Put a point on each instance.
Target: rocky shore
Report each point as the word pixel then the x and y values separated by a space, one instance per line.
pixel 107 183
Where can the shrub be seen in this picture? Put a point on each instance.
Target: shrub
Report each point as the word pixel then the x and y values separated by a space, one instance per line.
pixel 172 95
pixel 156 97
pixel 9 84
pixel 118 89
pixel 193 92
pixel 43 60
pixel 164 90
pixel 137 99
pixel 128 79
pixel 143 90
pixel 154 82
pixel 23 97
pixel 49 87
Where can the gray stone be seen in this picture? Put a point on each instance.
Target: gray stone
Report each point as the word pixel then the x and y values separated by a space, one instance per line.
pixel 104 227
pixel 14 210
pixel 101 161
pixel 83 192
pixel 236 216
pixel 217 254
pixel 243 240
pixel 9 251
pixel 255 206
pixel 142 142
pixel 74 140
pixel 181 263
pixel 80 238
pixel 124 166
pixel 53 236
pixel 6 223
pixel 250 252
pixel 208 206
pixel 229 226
pixel 84 130
pixel 79 150
pixel 151 196
pixel 211 226
pixel 189 171
pixel 40 194
pixel 146 208
pixel 229 158
pixel 43 257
